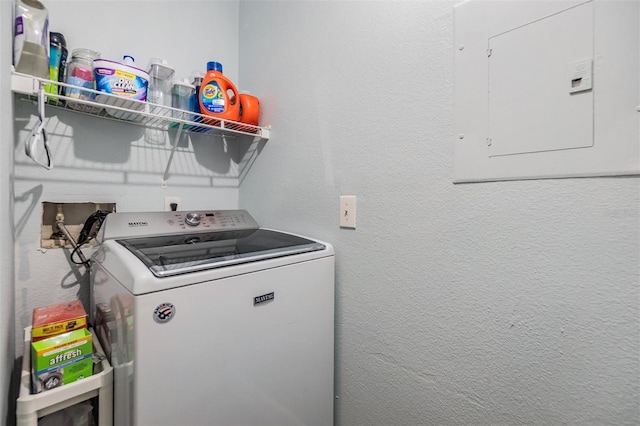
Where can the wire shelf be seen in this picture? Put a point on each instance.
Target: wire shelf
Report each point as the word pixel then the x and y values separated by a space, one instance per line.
pixel 113 107
pixel 106 106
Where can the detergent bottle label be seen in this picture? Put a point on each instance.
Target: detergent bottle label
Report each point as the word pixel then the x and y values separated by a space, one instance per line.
pixel 212 97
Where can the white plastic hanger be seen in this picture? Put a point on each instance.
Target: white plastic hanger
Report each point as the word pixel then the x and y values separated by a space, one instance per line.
pixel 39 132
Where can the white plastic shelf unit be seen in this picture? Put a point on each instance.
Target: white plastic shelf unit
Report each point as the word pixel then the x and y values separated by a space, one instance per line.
pixel 30 406
pixel 111 107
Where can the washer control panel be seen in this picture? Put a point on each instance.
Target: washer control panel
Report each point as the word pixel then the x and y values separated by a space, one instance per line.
pixel 146 224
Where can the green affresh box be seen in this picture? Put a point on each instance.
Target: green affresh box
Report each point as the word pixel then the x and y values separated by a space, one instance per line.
pixel 61 360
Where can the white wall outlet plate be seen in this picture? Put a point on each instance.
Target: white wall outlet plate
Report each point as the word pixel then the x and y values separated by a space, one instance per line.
pixel 348 211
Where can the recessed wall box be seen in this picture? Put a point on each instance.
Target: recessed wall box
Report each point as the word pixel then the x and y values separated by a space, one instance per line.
pixel 74 216
pixel 546 89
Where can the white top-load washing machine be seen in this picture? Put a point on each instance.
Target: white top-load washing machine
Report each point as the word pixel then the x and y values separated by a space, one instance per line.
pixel 209 319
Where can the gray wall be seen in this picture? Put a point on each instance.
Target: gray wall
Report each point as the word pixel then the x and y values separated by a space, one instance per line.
pixel 513 302
pixel 7 317
pixel 496 303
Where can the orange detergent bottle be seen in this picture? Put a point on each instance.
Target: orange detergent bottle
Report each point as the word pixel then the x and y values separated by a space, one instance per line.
pixel 218 96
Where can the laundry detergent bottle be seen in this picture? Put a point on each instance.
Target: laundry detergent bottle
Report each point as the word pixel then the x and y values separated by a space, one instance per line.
pixel 218 96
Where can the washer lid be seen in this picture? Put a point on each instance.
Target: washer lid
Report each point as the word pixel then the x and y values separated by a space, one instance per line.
pixel 169 255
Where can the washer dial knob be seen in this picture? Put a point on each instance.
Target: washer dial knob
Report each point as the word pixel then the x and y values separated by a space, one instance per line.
pixel 192 219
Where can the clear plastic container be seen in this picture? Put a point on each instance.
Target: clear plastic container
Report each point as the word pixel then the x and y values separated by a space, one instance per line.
pixel 31 38
pixel 181 95
pixel 196 81
pixel 79 73
pixel 160 74
pixel 194 105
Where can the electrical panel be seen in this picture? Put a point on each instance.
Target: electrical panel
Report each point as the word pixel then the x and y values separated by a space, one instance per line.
pixel 546 89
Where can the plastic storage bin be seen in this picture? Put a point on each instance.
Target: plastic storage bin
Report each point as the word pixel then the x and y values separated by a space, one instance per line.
pixel 30 406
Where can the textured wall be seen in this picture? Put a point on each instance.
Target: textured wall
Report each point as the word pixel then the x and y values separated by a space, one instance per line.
pixel 7 317
pixel 496 303
pixel 103 161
